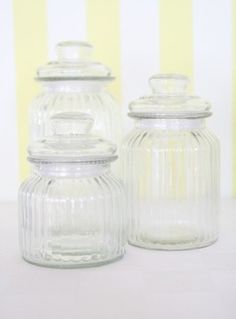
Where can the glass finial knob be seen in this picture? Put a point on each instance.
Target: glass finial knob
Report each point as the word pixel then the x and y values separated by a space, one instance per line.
pixel 169 84
pixel 73 51
pixel 71 123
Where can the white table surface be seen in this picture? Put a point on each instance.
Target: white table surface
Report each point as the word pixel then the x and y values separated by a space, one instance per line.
pixel 143 285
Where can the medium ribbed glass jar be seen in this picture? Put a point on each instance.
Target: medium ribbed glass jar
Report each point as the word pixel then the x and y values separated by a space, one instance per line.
pixel 71 208
pixel 171 169
pixel 75 83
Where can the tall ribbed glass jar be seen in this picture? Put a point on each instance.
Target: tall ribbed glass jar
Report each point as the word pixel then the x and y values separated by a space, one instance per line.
pixel 71 208
pixel 75 83
pixel 171 169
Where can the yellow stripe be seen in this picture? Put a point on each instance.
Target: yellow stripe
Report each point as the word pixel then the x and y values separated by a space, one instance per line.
pixel 234 96
pixel 103 28
pixel 176 42
pixel 176 54
pixel 30 29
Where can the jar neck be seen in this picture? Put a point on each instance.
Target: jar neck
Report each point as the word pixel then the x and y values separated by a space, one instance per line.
pixel 70 169
pixel 74 86
pixel 171 124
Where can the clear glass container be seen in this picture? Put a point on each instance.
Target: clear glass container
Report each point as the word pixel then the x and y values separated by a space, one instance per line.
pixel 71 208
pixel 171 169
pixel 74 82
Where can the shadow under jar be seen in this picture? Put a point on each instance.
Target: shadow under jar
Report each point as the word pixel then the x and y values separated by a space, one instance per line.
pixel 71 209
pixel 171 169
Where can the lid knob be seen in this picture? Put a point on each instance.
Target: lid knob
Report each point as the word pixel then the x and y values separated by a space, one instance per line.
pixel 169 84
pixel 71 123
pixel 73 51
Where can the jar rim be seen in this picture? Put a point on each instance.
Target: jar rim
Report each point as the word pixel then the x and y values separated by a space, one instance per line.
pixel 76 78
pixel 179 115
pixel 85 160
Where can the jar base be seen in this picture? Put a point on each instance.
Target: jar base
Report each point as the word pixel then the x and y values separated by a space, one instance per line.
pixel 91 261
pixel 171 246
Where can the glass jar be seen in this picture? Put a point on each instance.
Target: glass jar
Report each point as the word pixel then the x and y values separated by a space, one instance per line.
pixel 171 169
pixel 75 83
pixel 71 208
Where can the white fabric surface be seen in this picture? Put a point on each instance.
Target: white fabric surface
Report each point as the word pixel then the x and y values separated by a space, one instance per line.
pixel 143 285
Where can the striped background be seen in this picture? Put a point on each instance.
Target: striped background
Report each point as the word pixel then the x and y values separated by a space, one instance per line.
pixel 136 39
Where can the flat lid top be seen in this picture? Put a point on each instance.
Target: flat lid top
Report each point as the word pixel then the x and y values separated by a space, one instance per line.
pixel 72 141
pixel 169 99
pixel 73 63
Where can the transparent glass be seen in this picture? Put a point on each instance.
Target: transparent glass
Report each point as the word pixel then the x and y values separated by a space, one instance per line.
pixel 75 83
pixel 171 171
pixel 71 215
pixel 71 96
pixel 71 209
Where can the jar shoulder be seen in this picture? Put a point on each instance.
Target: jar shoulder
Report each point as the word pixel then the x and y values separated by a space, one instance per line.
pixel 73 186
pixel 140 137
pixel 49 100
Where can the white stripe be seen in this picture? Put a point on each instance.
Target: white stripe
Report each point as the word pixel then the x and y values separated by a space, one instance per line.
pixel 66 21
pixel 212 26
pixel 139 49
pixel 8 132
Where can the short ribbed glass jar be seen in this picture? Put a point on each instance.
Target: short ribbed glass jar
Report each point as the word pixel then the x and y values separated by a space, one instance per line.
pixel 171 169
pixel 75 83
pixel 71 208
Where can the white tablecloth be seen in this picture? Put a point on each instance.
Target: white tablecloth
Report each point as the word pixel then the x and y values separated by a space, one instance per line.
pixel 197 284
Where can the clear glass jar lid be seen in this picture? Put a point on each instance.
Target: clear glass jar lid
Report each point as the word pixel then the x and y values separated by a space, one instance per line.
pixel 72 141
pixel 73 63
pixel 169 99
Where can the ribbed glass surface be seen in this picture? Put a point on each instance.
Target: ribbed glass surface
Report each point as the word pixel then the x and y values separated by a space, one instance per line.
pixel 171 171
pixel 71 215
pixel 76 96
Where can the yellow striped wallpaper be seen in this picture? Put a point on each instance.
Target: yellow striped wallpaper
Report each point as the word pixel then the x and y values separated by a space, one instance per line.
pixel 176 37
pixel 30 51
pixel 103 30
